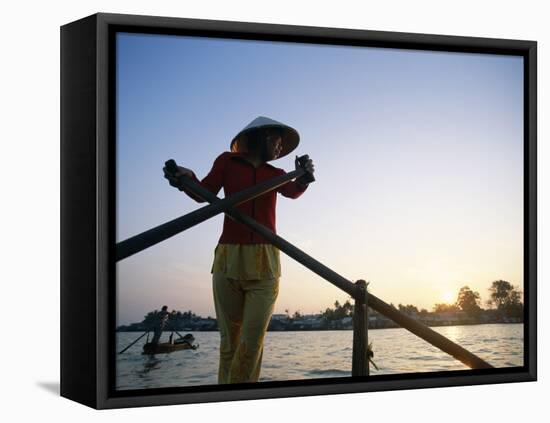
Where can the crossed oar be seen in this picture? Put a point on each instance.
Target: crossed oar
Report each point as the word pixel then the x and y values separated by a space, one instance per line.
pixel 162 232
pixel 419 329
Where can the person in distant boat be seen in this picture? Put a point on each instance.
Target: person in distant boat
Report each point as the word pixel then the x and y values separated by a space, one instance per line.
pixel 162 319
pixel 246 267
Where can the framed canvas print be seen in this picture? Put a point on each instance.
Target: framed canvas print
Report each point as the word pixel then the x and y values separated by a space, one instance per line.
pixel 257 210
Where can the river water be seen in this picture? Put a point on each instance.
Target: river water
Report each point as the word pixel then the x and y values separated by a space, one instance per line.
pixel 316 354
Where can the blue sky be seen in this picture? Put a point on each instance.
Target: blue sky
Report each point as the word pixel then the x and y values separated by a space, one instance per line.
pixel 418 156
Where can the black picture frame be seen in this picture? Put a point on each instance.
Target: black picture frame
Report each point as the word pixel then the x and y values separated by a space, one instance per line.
pixel 88 199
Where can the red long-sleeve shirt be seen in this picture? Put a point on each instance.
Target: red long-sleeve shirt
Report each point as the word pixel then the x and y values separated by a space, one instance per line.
pixel 234 173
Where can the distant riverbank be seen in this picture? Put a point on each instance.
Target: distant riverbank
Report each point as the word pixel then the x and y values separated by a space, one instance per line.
pixel 465 312
pixel 310 323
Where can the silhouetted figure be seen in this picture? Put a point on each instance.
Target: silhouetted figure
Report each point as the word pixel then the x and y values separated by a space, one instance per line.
pixel 161 322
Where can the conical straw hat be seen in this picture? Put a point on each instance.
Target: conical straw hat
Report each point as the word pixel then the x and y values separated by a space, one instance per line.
pixel 290 137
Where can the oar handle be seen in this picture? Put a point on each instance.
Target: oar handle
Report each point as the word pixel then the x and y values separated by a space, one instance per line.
pixel 302 160
pixel 171 166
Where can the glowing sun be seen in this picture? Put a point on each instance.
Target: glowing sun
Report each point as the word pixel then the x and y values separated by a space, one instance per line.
pixel 448 297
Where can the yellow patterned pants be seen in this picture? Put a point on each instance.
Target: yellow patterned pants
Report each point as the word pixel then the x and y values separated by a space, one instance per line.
pixel 243 311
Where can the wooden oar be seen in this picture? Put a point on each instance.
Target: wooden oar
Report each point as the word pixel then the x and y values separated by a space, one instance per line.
pixel 134 342
pixel 162 232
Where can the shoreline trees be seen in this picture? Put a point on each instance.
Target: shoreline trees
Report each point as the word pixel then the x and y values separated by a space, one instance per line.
pixel 505 305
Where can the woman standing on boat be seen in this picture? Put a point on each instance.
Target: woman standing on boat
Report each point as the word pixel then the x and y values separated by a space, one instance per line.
pixel 246 267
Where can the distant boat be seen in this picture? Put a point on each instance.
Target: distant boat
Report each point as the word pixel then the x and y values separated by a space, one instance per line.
pixel 184 343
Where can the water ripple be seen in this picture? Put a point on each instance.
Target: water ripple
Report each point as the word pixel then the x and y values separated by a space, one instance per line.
pixel 395 351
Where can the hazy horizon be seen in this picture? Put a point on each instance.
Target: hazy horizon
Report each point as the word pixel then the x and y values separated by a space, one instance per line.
pixel 418 157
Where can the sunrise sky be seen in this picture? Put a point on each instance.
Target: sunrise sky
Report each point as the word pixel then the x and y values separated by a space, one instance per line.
pixel 418 157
